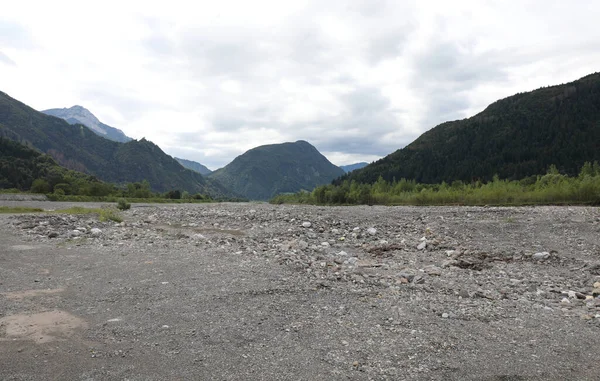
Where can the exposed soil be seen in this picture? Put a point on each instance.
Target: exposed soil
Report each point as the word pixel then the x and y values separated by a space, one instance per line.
pixel 264 292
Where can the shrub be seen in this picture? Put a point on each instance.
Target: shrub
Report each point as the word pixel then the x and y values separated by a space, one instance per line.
pixel 122 204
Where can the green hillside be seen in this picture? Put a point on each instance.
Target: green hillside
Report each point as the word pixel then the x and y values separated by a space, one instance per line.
pixel 24 168
pixel 515 137
pixel 265 171
pixel 78 148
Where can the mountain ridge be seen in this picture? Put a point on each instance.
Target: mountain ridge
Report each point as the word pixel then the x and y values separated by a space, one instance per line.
pixel 80 115
pixel 194 166
pixel 78 148
pixel 265 171
pixel 514 137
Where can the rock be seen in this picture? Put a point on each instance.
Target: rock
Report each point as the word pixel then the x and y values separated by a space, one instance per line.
pixel 352 261
pixel 541 256
pixel 306 224
pixel 52 235
pixel 325 244
pixel 342 254
pixel 449 263
pixel 74 233
pixel 96 232
pixel 597 285
pixel 335 231
pixel 407 274
pixel 302 245
pixel 596 291
pixel 422 245
pixel 372 231
pixel 432 270
pixel 445 315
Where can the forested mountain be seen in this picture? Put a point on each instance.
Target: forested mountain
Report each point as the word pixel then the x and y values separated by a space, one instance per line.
pixel 515 137
pixel 77 147
pixel 80 115
pixel 353 167
pixel 265 171
pixel 20 166
pixel 194 166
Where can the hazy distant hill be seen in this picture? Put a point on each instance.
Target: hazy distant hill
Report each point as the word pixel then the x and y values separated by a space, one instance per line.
pixel 352 167
pixel 78 114
pixel 77 147
pixel 515 137
pixel 265 171
pixel 194 166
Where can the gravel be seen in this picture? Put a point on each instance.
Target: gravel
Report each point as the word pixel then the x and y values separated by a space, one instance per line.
pixel 258 291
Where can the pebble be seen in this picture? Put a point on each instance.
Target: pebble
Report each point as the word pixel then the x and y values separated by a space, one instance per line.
pixel 372 231
pixel 432 270
pixel 541 255
pixel 96 232
pixel 306 224
pixel 445 315
pixel 422 245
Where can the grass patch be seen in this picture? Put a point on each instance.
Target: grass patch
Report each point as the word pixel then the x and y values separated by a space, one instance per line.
pixel 104 214
pixel 19 209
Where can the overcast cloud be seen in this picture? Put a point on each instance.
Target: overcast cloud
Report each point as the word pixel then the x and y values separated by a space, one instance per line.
pixel 208 80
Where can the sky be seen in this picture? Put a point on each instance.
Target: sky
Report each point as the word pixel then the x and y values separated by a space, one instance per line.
pixel 208 80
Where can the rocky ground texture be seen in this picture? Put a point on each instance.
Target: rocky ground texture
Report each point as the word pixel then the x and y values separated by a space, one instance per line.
pixel 257 291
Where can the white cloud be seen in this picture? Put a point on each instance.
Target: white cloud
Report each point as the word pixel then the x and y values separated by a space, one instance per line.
pixel 208 80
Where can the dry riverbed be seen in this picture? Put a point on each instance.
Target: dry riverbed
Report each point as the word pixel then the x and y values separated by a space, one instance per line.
pixel 265 292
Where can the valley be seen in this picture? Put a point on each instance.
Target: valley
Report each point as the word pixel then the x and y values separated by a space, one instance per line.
pixel 300 292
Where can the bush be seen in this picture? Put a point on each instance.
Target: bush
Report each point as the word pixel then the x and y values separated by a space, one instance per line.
pixel 122 204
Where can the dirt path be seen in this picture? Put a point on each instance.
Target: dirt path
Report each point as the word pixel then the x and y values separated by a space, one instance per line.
pixel 246 292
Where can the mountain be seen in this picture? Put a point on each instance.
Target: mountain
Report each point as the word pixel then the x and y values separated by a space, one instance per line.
pixel 20 166
pixel 76 147
pixel 352 167
pixel 80 115
pixel 515 137
pixel 266 171
pixel 194 166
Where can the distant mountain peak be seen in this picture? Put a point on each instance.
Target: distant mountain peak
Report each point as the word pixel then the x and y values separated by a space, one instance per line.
pixel 79 114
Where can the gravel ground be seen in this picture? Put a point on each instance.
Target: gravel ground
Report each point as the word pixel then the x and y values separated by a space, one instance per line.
pixel 264 292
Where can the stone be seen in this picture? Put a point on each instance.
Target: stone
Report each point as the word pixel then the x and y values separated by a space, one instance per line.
pixel 306 224
pixel 597 285
pixel 74 233
pixel 335 231
pixel 541 256
pixel 52 235
pixel 596 291
pixel 372 231
pixel 352 261
pixel 407 274
pixel 432 270
pixel 422 245
pixel 96 232
pixel 325 244
pixel 445 315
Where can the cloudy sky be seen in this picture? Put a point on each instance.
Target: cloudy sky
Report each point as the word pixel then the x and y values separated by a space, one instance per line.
pixel 208 80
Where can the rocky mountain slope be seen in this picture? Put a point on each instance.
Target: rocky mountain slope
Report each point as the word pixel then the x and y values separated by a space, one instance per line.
pixel 268 170
pixel 515 137
pixel 81 115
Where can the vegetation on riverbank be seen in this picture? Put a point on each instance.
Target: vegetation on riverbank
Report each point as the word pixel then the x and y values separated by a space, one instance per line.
pixel 551 188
